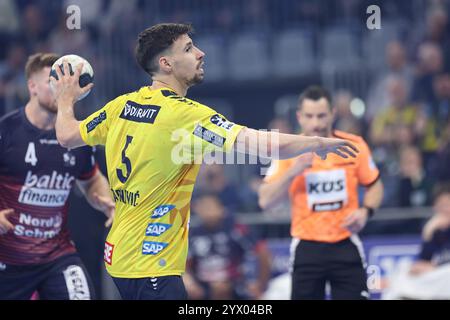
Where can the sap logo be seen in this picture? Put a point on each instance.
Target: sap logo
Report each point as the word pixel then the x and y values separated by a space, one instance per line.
pixel 162 210
pixel 325 187
pixel 91 125
pixel 109 248
pixel 156 229
pixel 139 113
pixel 150 247
pixel 221 122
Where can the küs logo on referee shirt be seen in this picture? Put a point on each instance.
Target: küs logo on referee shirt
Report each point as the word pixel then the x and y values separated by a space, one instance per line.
pixel 135 112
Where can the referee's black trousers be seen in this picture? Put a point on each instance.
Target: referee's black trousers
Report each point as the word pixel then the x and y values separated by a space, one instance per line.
pixel 341 264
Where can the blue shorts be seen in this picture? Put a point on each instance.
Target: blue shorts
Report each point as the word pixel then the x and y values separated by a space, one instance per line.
pixel 62 279
pixel 157 288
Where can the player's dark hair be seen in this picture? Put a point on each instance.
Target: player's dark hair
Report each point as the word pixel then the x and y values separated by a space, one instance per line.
pixel 154 40
pixel 39 61
pixel 314 93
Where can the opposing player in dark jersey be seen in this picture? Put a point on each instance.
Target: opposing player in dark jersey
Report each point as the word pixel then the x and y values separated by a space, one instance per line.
pixel 36 177
pixel 219 247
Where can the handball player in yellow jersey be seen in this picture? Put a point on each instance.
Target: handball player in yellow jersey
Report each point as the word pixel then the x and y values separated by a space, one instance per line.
pixel 144 132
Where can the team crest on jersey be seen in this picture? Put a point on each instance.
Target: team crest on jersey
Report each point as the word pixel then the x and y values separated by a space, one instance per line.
pixel 162 210
pixel 135 112
pixel 91 125
pixel 153 248
pixel 209 136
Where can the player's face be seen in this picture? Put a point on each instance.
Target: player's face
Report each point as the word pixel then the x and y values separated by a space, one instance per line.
pixel 315 117
pixel 187 61
pixel 39 87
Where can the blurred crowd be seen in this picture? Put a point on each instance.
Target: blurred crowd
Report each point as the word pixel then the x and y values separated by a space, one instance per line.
pixel 406 110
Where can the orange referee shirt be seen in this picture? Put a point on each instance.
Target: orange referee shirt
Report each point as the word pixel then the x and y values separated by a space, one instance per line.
pixel 327 192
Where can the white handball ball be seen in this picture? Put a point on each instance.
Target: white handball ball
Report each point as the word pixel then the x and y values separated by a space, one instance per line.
pixel 86 76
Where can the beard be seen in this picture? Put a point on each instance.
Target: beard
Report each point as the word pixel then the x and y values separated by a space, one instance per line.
pixel 49 107
pixel 195 80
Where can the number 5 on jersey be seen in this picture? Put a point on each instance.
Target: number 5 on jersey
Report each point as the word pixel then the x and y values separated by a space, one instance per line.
pixel 126 161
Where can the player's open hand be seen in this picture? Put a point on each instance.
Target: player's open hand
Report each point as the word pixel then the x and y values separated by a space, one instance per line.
pixel 107 206
pixel 5 225
pixel 67 87
pixel 341 147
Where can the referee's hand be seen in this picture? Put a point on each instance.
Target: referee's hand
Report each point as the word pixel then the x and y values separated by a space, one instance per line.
pixel 5 225
pixel 356 221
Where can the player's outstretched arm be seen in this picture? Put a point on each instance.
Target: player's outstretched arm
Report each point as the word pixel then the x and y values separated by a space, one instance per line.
pixel 284 146
pixel 67 91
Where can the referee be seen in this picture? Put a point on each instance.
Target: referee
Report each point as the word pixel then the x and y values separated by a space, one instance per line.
pixel 326 214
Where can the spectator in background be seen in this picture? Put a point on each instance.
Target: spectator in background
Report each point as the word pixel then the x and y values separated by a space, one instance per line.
pixel 430 63
pixel 34 27
pixel 436 235
pixel 437 30
pixel 281 124
pixel 415 186
pixel 429 276
pixel 344 118
pixel 9 24
pixel 397 66
pixel 64 40
pixel 212 179
pixel 441 169
pixel 218 250
pixel 13 87
pixel 439 107
pixel 402 112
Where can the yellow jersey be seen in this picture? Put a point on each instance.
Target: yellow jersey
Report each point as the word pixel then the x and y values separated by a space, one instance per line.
pixel 154 142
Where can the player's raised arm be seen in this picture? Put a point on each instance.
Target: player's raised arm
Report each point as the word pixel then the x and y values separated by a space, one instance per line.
pixel 67 91
pixel 284 146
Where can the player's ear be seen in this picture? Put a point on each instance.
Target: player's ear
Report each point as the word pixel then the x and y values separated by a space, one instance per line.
pixel 333 112
pixel 298 114
pixel 31 87
pixel 164 64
